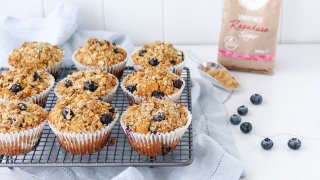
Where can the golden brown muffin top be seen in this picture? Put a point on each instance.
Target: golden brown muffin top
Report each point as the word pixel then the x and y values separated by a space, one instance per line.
pixel 155 116
pixel 98 52
pixel 81 113
pixel 22 83
pixel 96 82
pixel 158 55
pixel 38 55
pixel 153 83
pixel 19 116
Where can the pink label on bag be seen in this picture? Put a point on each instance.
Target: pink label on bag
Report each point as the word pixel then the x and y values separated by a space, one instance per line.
pixel 253 57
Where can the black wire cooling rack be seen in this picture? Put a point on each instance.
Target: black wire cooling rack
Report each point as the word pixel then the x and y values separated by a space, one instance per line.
pixel 117 152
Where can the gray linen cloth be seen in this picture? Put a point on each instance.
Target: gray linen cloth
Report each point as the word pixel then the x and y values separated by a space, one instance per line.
pixel 215 155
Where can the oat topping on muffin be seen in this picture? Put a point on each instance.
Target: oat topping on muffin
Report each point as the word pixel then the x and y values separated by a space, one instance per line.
pixel 81 113
pixel 38 55
pixel 18 116
pixel 158 54
pixel 153 83
pixel 98 52
pixel 95 82
pixel 21 83
pixel 155 116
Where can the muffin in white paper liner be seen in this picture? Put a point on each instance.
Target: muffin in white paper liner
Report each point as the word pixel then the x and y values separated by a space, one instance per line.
pixel 155 144
pixel 116 69
pixel 40 98
pixel 84 143
pixel 138 99
pixel 177 69
pixel 19 143
pixel 107 98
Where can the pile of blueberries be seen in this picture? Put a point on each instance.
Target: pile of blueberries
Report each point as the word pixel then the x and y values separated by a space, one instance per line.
pixel 246 127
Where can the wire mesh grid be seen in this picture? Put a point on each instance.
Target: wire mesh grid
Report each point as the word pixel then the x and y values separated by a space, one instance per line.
pixel 48 152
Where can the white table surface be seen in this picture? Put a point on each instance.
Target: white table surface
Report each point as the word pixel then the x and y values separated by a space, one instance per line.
pixel 290 106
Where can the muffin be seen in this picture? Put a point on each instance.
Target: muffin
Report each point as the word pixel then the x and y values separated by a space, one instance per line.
pixel 26 84
pixel 82 123
pixel 159 55
pixel 162 84
pixel 21 126
pixel 101 54
pixel 39 55
pixel 155 126
pixel 96 82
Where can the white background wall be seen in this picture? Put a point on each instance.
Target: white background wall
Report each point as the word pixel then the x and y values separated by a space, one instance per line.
pixel 177 21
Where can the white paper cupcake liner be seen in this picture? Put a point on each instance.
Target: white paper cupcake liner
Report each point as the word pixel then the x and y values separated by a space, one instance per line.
pixel 18 143
pixel 116 69
pixel 55 69
pixel 177 69
pixel 138 99
pixel 84 143
pixel 155 144
pixel 40 98
pixel 107 98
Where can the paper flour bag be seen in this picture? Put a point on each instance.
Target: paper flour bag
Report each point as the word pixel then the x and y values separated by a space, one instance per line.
pixel 248 35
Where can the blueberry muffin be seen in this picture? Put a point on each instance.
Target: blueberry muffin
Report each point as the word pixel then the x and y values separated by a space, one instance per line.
pixel 101 54
pixel 39 55
pixel 97 82
pixel 159 55
pixel 82 123
pixel 158 123
pixel 162 84
pixel 25 84
pixel 21 125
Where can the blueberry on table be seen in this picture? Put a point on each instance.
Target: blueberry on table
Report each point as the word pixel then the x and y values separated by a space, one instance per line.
pixel 242 110
pixel 90 86
pixel 131 88
pixel 256 99
pixel 235 119
pixel 267 144
pixel 177 83
pixel 22 106
pixel 246 127
pixel 157 94
pixel 36 76
pixel 68 83
pixel 106 119
pixel 142 52
pixel 16 88
pixel 159 117
pixel 294 143
pixel 67 113
pixel 154 62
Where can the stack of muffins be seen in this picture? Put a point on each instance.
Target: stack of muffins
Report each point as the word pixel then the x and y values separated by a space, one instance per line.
pixel 83 117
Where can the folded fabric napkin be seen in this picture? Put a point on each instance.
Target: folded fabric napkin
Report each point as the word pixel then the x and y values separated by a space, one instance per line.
pixel 215 155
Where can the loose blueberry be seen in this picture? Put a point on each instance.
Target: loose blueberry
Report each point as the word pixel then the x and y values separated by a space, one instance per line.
pixel 106 119
pixel 173 62
pixel 67 113
pixel 112 110
pixel 157 94
pixel 177 83
pixel 154 62
pixel 131 88
pixel 294 143
pixel 68 83
pixel 180 53
pixel 142 52
pixel 22 106
pixel 36 76
pixel 242 110
pixel 16 88
pixel 267 144
pixel 235 119
pixel 159 117
pixel 256 99
pixel 90 86
pixel 246 127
